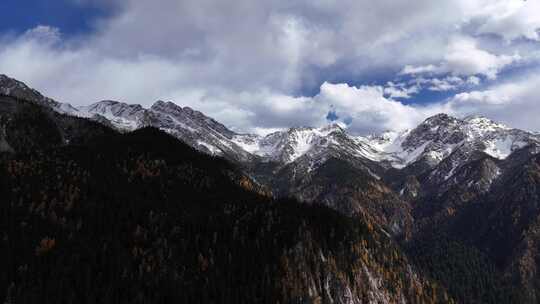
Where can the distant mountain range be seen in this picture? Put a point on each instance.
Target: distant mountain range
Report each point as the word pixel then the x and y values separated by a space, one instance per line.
pixel 432 141
pixel 459 196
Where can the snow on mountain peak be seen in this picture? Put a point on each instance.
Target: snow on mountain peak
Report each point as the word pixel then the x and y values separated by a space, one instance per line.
pixel 431 141
pixel 333 127
pixel 441 135
pixel 11 87
pixel 289 145
pixel 122 115
pixel 17 89
pixel 481 125
pixel 440 119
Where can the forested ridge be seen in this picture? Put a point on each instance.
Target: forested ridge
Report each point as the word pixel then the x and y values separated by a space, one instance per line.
pixel 91 215
pixel 143 218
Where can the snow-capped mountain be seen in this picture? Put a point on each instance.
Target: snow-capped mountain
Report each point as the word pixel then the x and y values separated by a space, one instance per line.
pixel 210 136
pixel 291 145
pixel 441 135
pixel 17 89
pixel 468 180
pixel 430 143
pixel 121 115
pixel 193 127
pixel 440 154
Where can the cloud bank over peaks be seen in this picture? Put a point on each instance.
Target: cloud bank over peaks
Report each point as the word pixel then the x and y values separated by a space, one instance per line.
pixel 261 66
pixel 366 110
pixel 515 102
pixel 464 58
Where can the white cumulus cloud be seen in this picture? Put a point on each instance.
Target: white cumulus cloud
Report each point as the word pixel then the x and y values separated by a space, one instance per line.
pixel 262 65
pixel 463 57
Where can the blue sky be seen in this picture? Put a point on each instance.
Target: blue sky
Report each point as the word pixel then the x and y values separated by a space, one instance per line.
pixel 261 66
pixel 71 18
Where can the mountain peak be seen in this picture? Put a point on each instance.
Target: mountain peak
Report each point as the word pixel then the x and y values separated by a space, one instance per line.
pixel 173 108
pixel 163 104
pixel 332 127
pixel 14 88
pixel 122 115
pixel 484 122
pixel 474 117
pixel 6 81
pixel 116 108
pixel 440 119
pixel 434 139
pixel 323 130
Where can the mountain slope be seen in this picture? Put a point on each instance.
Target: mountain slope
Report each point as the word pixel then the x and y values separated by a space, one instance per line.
pixel 192 127
pixel 430 142
pixel 460 195
pixel 143 218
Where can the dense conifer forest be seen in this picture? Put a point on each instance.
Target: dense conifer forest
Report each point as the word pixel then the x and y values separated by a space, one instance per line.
pixel 90 215
pixel 143 218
